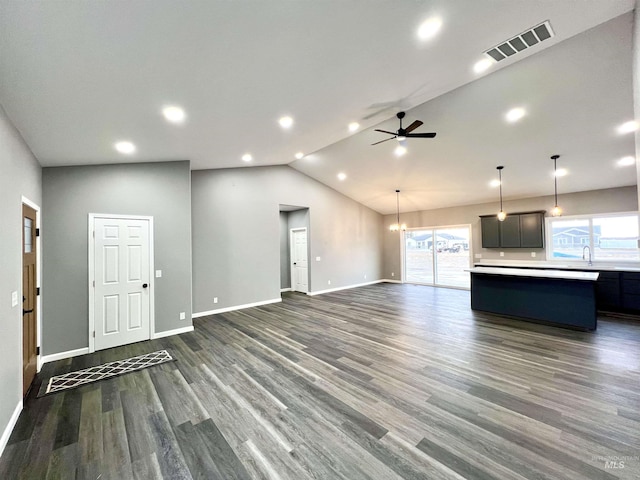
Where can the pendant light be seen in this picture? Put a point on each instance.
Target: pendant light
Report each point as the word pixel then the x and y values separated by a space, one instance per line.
pixel 398 226
pixel 557 211
pixel 501 214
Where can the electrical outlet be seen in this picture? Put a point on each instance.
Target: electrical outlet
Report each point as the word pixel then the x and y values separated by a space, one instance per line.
pixel 317 259
pixel 533 254
pixel 158 273
pixel 478 255
pixel 183 315
pixel 328 282
pixel 215 299
pixel 393 274
pixel 502 254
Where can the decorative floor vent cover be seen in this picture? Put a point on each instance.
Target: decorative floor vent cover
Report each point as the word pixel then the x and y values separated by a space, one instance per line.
pixel 106 370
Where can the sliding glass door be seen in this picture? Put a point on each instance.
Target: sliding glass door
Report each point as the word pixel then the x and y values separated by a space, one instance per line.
pixel 437 256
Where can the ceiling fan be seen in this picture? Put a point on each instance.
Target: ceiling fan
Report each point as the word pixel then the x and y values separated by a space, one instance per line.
pixel 403 133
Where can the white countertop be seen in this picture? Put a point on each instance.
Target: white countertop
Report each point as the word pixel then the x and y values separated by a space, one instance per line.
pixel 632 267
pixel 531 272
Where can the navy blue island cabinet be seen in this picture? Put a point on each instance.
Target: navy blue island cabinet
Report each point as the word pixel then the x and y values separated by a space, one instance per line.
pixel 562 298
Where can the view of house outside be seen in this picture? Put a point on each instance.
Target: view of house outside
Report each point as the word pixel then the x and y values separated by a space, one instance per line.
pixel 438 256
pixel 610 238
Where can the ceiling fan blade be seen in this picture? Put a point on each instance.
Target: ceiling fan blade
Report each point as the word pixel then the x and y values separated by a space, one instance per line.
pixel 386 131
pixel 413 126
pixel 386 139
pixel 421 135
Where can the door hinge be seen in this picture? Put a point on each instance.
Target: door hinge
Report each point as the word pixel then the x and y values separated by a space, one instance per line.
pixel 38 291
pixel 94 284
pixel 94 234
pixel 37 232
pixel 94 334
pixel 37 350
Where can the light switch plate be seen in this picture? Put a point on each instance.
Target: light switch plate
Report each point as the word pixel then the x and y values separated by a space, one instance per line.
pixel 158 273
pixel 533 254
pixel 14 299
pixel 182 316
pixel 317 259
pixel 502 254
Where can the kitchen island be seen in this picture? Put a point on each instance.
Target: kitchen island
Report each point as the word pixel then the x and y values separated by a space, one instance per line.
pixel 562 298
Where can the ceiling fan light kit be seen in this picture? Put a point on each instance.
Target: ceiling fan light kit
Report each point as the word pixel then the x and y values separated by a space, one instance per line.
pixel 403 133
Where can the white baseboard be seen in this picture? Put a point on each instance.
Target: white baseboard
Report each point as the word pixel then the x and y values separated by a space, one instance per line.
pixel 388 280
pixel 286 289
pixel 62 355
pixel 236 307
pixel 175 331
pixel 320 292
pixel 12 423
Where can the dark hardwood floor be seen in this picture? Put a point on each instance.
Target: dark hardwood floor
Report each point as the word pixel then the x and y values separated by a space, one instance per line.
pixel 383 382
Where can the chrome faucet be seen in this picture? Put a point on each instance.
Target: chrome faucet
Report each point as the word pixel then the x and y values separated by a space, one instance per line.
pixel 588 248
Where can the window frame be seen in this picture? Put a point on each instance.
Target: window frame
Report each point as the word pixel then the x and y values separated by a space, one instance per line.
pixel 549 251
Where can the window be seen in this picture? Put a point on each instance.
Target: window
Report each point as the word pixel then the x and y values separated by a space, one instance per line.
pixel 611 237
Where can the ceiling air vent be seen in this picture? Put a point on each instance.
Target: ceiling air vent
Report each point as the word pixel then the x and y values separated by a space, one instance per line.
pixel 527 39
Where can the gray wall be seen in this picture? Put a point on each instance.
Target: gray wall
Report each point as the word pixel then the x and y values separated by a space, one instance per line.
pixel 285 271
pixel 20 176
pixel 236 238
pixel 623 199
pixel 161 190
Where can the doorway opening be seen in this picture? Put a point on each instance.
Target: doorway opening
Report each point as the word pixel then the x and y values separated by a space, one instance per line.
pixel 294 249
pixel 438 256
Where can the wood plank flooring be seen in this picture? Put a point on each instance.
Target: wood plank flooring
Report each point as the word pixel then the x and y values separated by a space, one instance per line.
pixel 384 382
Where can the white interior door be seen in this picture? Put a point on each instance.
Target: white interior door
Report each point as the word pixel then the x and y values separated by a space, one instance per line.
pixel 299 267
pixel 122 273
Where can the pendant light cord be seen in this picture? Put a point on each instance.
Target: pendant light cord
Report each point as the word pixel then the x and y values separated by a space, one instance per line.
pixel 500 173
pixel 398 205
pixel 555 179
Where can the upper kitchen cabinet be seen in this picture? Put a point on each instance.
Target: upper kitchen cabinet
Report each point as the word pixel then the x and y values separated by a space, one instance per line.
pixel 519 230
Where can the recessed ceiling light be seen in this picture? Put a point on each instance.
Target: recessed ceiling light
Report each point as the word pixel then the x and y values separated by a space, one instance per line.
pixel 354 126
pixel 299 155
pixel 125 147
pixel 286 122
pixel 627 161
pixel 173 114
pixel 247 157
pixel 342 176
pixel 561 172
pixel 494 183
pixel 400 150
pixel 628 127
pixel 482 65
pixel 515 114
pixel 429 28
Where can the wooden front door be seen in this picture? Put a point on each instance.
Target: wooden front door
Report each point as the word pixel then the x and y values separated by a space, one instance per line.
pixel 29 298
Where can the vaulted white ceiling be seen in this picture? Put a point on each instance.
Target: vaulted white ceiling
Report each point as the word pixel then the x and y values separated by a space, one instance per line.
pixel 77 76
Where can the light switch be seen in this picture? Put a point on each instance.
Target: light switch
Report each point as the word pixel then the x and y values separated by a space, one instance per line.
pixel 14 299
pixel 158 273
pixel 182 315
pixel 317 259
pixel 533 254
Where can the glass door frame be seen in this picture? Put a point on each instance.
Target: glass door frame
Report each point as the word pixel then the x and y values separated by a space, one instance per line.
pixel 403 253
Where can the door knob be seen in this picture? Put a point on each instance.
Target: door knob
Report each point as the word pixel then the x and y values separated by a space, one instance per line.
pixel 145 285
pixel 294 263
pixel 24 312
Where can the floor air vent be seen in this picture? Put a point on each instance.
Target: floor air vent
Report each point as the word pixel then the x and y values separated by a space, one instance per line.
pixel 521 42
